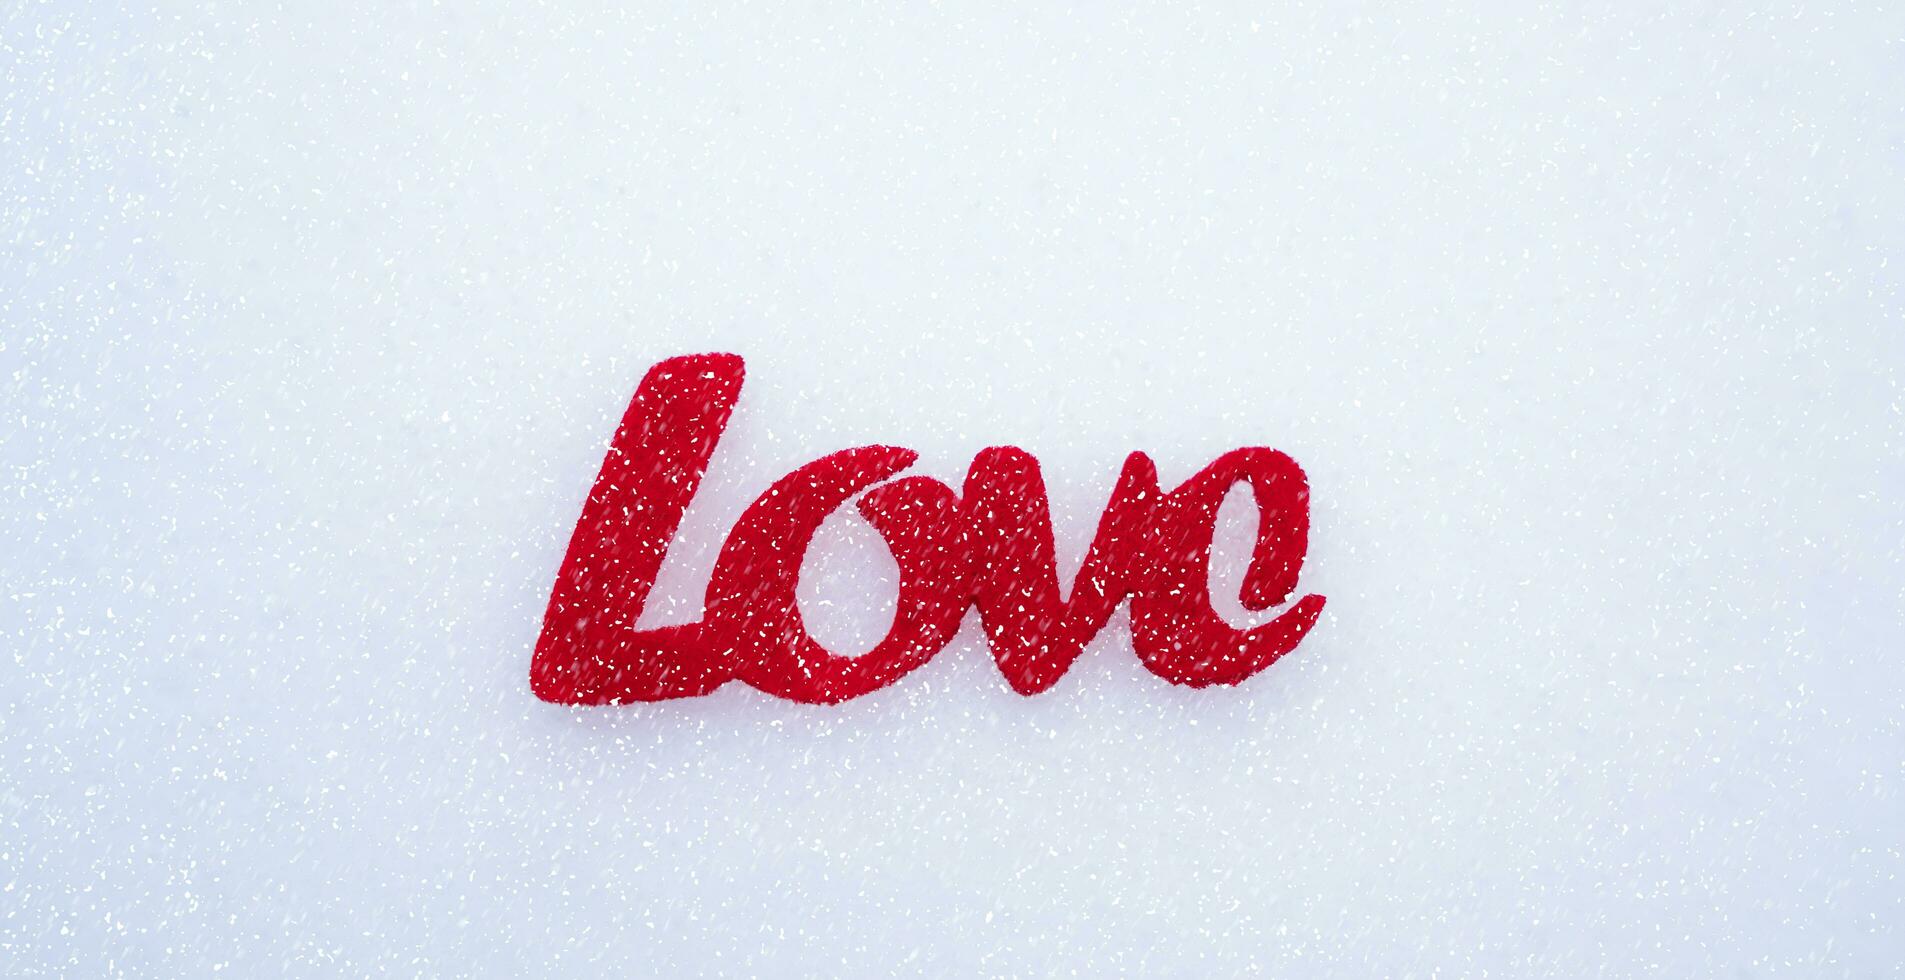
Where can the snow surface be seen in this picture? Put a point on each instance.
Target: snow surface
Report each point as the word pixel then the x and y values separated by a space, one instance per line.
pixel 1585 321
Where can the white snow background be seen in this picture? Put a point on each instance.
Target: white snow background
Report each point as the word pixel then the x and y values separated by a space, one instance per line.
pixel 1584 319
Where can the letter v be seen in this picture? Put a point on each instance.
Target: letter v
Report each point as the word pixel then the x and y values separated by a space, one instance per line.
pixel 1036 634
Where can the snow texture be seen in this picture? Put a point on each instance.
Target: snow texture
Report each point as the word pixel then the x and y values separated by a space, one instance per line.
pixel 1584 320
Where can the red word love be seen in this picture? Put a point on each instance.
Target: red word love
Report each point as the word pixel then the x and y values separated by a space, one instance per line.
pixel 988 546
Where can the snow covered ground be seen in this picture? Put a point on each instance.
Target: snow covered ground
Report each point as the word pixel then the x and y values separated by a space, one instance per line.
pixel 1585 323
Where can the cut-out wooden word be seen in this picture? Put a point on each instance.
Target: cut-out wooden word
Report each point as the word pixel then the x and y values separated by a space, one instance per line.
pixel 989 545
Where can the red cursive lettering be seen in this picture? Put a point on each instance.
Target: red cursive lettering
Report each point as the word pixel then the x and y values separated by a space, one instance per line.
pixel 991 547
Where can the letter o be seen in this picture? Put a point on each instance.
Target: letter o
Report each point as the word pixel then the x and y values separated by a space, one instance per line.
pixel 752 610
